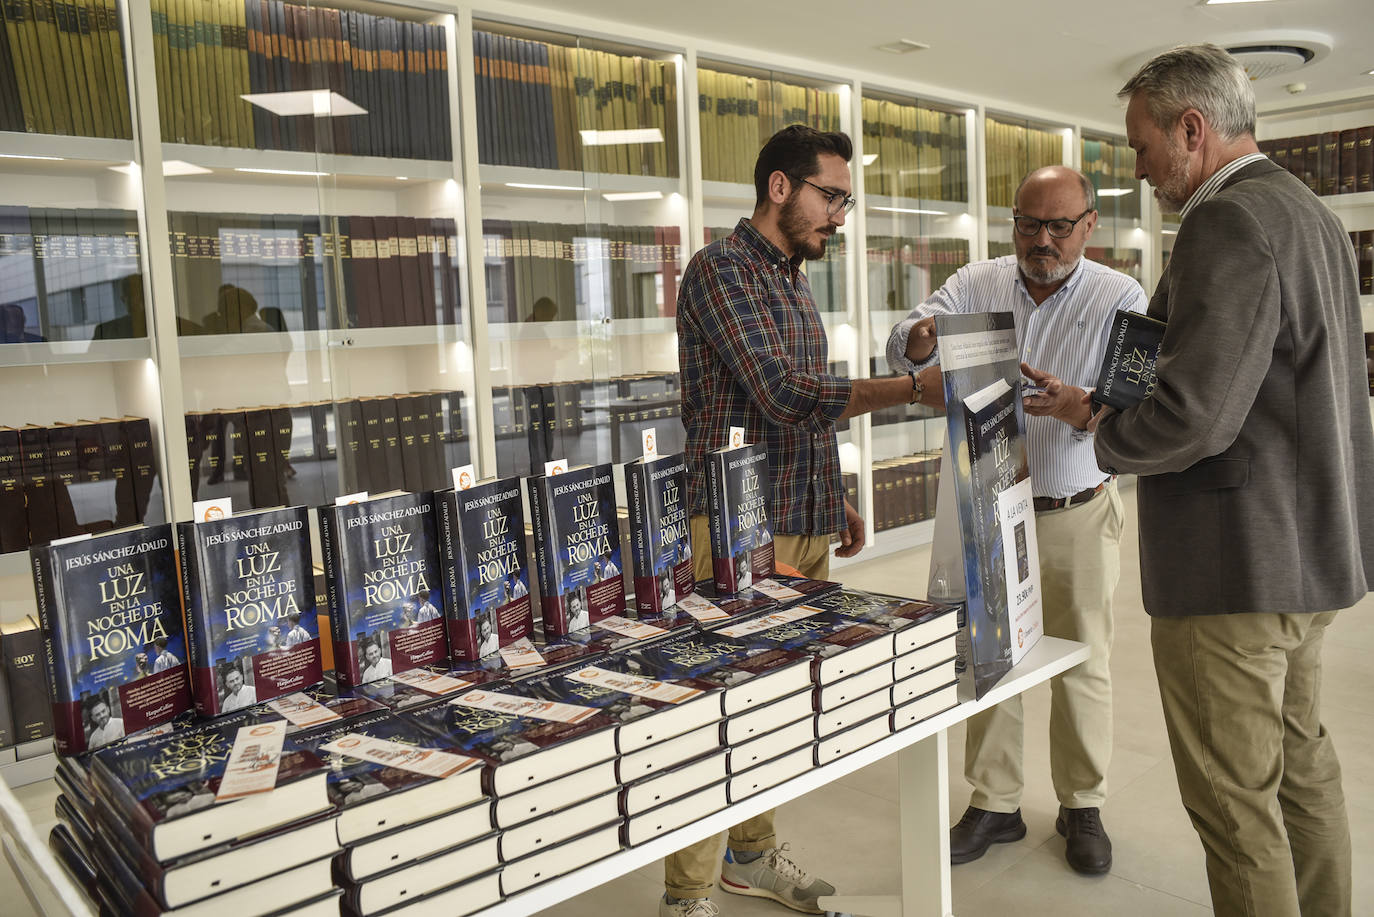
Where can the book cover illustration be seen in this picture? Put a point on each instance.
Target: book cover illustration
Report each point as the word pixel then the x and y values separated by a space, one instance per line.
pixel 382 577
pixel 820 634
pixel 705 656
pixel 485 579
pixel 112 633
pixel 1127 375
pixel 660 541
pixel 577 548
pixel 251 626
pixel 738 492
pixel 986 433
pixel 890 611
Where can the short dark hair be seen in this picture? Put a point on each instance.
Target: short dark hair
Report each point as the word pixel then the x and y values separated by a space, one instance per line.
pixel 795 151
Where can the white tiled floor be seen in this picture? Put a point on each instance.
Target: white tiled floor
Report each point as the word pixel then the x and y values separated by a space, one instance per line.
pixel 847 831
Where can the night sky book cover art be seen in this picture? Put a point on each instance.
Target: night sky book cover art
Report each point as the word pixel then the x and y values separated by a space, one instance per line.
pixel 382 577
pixel 739 492
pixel 577 548
pixel 485 578
pixel 110 613
pixel 660 540
pixel 251 625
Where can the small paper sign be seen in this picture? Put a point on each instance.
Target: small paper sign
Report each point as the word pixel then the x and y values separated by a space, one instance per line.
pixel 701 609
pixel 351 499
pixel 633 684
pixel 431 682
pixel 521 654
pixel 557 466
pixel 210 510
pixel 736 437
pixel 464 477
pixel 650 443
pixel 253 762
pixel 776 590
pixel 525 706
pixel 302 710
pixel 427 761
pixel 637 630
pixel 774 619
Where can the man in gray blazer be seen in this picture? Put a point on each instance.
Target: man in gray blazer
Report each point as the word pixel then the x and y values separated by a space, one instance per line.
pixel 1256 492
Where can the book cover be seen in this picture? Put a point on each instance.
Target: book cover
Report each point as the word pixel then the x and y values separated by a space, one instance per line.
pixel 916 622
pixel 577 548
pixel 737 505
pixel 1127 375
pixel 382 576
pixel 838 646
pixel 252 632
pixel 660 541
pixel 485 578
pixel 110 612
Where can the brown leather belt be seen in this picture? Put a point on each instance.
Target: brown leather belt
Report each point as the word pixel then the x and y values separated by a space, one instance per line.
pixel 1043 504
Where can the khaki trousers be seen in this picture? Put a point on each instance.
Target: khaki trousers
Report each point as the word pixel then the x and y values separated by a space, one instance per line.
pixel 692 871
pixel 1080 564
pixel 1256 769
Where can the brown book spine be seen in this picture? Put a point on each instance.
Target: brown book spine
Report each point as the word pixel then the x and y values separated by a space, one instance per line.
pixel 142 460
pixel 117 463
pixel 14 529
pixel 374 448
pixel 41 508
pixel 408 428
pixel 1330 162
pixel 262 459
pixel 1364 159
pixel 1349 146
pixel 22 645
pixel 195 445
pixel 283 432
pixel 391 444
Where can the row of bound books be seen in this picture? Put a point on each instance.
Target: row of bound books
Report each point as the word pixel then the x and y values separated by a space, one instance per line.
pixel 1363 242
pixel 70 479
pixel 1332 162
pixel 1013 150
pixel 209 55
pixel 62 69
pixel 229 269
pixel 904 490
pixel 264 456
pixel 915 267
pixel 921 152
pixel 447 791
pixel 1109 164
pixel 1125 260
pixel 540 271
pixel 739 113
pixel 535 99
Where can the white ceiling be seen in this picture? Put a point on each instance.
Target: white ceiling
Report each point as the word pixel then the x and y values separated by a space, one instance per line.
pixel 1065 58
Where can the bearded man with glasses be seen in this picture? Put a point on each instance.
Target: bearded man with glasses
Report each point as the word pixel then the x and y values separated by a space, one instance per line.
pixel 753 354
pixel 1064 305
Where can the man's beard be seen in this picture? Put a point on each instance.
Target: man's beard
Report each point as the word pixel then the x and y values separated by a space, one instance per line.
pixel 1046 276
pixel 798 232
pixel 1172 191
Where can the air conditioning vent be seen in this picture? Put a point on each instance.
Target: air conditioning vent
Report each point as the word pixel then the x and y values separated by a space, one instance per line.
pixel 1262 61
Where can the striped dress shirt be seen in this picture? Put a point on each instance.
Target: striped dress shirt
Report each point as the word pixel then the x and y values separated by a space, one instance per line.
pixel 753 353
pixel 1066 336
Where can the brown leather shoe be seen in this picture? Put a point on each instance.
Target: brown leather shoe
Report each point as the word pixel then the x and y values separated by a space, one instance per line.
pixel 979 829
pixel 1087 847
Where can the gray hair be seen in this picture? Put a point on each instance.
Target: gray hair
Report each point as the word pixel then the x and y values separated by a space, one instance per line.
pixel 1089 193
pixel 1201 76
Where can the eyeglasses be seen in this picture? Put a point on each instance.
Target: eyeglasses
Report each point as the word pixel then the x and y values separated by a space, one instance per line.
pixel 835 201
pixel 1059 229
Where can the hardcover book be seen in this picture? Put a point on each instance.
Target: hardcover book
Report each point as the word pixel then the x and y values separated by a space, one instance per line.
pixel 916 622
pixel 485 579
pixel 738 494
pixel 838 646
pixel 164 789
pixel 22 644
pixel 251 626
pixel 382 575
pixel 112 635
pixel 660 542
pixel 1127 375
pixel 424 880
pixel 577 548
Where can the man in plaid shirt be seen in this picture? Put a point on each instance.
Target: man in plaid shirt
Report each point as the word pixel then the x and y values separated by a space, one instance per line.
pixel 753 354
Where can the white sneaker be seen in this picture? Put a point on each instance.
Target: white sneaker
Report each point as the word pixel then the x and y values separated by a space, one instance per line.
pixel 687 907
pixel 775 876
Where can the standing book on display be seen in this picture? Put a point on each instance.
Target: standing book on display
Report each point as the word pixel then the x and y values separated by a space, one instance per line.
pixel 577 548
pixel 741 529
pixel 660 540
pixel 249 594
pixel 1127 374
pixel 382 576
pixel 112 634
pixel 485 579
pixel 992 511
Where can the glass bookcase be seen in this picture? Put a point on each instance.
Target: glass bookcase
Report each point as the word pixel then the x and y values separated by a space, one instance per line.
pixel 1013 147
pixel 1119 237
pixel 920 230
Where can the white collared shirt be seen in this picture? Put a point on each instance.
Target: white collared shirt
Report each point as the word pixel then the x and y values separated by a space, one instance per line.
pixel 1218 178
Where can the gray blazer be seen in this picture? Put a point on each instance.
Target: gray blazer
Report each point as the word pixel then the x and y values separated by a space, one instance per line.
pixel 1255 451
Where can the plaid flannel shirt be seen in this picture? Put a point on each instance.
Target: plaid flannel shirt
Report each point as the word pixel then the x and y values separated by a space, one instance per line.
pixel 753 354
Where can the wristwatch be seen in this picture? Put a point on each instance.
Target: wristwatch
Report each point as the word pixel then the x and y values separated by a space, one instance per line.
pixel 917 389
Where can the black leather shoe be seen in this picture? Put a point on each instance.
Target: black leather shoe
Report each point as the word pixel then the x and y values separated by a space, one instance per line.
pixel 979 829
pixel 1088 849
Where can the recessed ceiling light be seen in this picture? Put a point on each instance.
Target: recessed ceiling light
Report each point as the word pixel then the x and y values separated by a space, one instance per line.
pixel 870 158
pixel 1115 192
pixel 934 213
pixel 1219 2
pixel 616 138
pixel 26 156
pixel 317 102
pixel 633 195
pixel 282 172
pixel 903 46
pixel 529 187
pixel 182 167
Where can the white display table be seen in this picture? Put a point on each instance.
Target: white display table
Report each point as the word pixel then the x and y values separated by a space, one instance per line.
pixel 923 775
